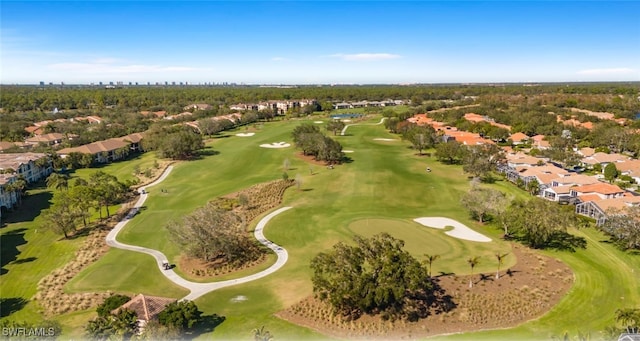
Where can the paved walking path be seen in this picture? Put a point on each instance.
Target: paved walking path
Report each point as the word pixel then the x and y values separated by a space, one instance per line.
pixel 197 289
pixel 344 130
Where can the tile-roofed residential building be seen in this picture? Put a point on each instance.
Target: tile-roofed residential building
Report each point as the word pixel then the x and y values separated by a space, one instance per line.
pixel 89 119
pixel 519 138
pixel 50 139
pixel 574 180
pixel 520 159
pixel 199 106
pixel 180 115
pixel 599 209
pixel 467 138
pixel 603 190
pixel 543 174
pixel 27 165
pixel 630 168
pixel 538 137
pixel 107 150
pixel 146 308
pixel 586 151
pixel 4 145
pixel 603 158
pixel 557 193
pixel 600 115
pixel 34 130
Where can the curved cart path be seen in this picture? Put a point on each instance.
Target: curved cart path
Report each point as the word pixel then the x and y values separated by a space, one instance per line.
pixel 198 289
pixel 344 130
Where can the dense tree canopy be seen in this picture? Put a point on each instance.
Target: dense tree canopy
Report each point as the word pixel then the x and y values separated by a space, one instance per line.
pixel 542 224
pixel 451 152
pixel 373 276
pixel 312 141
pixel 175 142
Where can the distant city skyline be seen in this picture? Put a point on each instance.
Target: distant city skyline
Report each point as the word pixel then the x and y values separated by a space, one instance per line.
pixel 307 42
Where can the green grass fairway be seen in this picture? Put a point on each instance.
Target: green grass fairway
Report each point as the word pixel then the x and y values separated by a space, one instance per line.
pixel 30 252
pixel 420 240
pixel 109 272
pixel 382 188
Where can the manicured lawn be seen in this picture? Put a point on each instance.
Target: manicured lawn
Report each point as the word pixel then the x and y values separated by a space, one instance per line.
pixel 123 170
pixel 383 188
pixel 29 252
pixel 115 270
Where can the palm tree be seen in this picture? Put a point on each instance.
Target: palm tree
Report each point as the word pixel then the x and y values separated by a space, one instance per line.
pixel 472 263
pixel 57 181
pixel 259 334
pixel 630 318
pixel 18 187
pixel 430 260
pixel 500 258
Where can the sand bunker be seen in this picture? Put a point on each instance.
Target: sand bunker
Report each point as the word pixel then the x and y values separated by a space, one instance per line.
pixel 381 139
pixel 459 231
pixel 346 121
pixel 347 151
pixel 318 122
pixel 276 145
pixel 245 134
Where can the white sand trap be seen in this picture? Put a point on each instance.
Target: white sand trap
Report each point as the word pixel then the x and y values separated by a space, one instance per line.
pixel 276 145
pixel 347 151
pixel 245 134
pixel 381 139
pixel 318 122
pixel 459 231
pixel 346 121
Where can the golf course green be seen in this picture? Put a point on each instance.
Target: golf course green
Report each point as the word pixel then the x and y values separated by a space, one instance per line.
pixel 381 188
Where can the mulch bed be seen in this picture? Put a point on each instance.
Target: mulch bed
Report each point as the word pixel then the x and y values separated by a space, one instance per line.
pixel 529 289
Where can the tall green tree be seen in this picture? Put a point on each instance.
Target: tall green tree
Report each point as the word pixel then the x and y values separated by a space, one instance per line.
pixel 500 258
pixel 450 152
pixel 421 137
pixel 483 202
pixel 473 262
pixel 61 217
pixel 610 172
pixel 481 160
pixel 540 223
pixel 335 126
pixel 375 275
pixel 58 181
pixel 430 260
pixel 181 315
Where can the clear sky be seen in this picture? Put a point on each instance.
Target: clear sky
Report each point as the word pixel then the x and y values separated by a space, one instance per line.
pixel 307 42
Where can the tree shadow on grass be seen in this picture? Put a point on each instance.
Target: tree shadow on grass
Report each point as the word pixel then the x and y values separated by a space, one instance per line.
pixel 205 152
pixel 10 242
pixel 81 232
pixel 564 241
pixel 24 260
pixel 29 209
pixel 10 305
pixel 207 324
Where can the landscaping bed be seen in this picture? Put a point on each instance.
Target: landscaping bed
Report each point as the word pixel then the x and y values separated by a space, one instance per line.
pixel 524 292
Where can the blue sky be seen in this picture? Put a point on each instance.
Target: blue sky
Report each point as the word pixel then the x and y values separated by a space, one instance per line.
pixel 307 42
